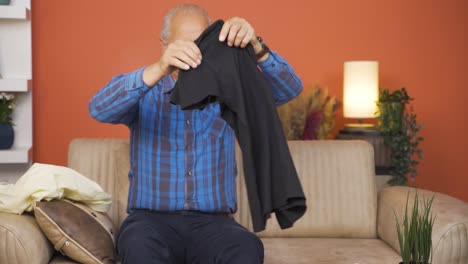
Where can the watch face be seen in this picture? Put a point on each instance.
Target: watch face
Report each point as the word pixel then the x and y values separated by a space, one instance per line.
pixel 263 43
pixel 260 40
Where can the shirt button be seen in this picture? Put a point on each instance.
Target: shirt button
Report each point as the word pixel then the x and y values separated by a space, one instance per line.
pixel 189 173
pixel 187 122
pixel 187 146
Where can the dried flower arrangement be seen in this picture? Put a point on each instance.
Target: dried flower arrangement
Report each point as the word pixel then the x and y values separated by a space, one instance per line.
pixel 310 116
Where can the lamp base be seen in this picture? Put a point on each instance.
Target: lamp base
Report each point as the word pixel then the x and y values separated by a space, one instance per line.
pixel 361 127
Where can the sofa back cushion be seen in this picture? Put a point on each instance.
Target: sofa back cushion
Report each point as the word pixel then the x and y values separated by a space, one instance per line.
pixel 338 178
pixel 105 161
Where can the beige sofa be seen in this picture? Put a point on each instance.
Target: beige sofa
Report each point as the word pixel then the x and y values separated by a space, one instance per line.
pixel 346 221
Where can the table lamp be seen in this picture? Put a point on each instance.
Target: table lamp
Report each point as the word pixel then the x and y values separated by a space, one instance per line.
pixel 360 92
pixel 360 96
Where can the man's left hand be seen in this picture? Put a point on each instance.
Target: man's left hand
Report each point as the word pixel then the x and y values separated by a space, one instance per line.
pixel 238 33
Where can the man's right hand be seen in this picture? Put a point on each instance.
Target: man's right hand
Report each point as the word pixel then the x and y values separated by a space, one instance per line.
pixel 179 54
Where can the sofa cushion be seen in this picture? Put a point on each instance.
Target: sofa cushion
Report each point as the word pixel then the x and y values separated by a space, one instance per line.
pixel 21 240
pixel 328 250
pixel 61 259
pixel 107 162
pixel 122 158
pixel 77 231
pixel 338 178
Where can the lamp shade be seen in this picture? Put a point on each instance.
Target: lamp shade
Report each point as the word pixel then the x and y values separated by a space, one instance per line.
pixel 360 89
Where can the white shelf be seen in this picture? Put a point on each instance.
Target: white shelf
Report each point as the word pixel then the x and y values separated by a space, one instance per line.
pixel 18 154
pixel 15 85
pixel 14 12
pixel 16 75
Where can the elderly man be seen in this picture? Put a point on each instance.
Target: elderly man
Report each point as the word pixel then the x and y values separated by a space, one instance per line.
pixel 183 168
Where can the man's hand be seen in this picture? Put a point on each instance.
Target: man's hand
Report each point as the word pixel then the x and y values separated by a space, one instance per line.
pixel 179 54
pixel 238 33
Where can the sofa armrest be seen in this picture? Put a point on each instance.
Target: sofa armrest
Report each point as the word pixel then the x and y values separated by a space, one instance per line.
pixel 22 241
pixel 450 231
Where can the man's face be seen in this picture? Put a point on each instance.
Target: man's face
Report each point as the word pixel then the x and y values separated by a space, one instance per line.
pixel 187 26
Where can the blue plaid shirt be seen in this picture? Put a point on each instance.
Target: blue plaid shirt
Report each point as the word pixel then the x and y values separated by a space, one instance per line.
pixel 180 160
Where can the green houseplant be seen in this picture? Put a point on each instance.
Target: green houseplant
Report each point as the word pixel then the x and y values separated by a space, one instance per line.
pixel 7 106
pixel 400 129
pixel 415 232
pixel 309 116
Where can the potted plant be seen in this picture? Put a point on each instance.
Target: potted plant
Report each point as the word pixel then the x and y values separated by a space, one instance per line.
pixel 7 105
pixel 398 125
pixel 415 232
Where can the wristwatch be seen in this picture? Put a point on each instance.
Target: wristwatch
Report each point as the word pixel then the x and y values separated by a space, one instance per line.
pixel 265 49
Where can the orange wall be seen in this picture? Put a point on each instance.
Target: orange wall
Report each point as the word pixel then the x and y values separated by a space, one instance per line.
pixel 421 44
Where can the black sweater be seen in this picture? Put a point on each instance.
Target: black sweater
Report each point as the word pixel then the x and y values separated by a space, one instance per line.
pixel 230 76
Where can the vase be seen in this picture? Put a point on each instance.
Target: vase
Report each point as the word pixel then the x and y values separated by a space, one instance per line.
pixel 4 2
pixel 7 136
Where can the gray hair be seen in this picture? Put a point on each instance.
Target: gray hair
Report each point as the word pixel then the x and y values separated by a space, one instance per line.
pixel 175 9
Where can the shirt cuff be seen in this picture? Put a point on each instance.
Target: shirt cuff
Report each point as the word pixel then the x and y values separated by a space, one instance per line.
pixel 271 63
pixel 136 83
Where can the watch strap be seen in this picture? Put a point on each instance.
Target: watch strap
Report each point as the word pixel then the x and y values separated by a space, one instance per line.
pixel 264 50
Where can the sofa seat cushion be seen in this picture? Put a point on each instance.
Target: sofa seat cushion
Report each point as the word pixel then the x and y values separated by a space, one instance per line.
pixel 328 250
pixel 60 259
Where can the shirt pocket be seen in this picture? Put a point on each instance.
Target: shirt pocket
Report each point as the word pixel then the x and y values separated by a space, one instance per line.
pixel 212 124
pixel 168 119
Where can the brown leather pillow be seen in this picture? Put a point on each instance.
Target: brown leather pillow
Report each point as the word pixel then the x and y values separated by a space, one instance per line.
pixel 77 231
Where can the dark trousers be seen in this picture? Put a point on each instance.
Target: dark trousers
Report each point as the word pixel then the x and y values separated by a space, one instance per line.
pixel 186 237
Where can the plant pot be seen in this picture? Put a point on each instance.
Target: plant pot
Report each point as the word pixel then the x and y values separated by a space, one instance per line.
pixel 4 2
pixel 7 135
